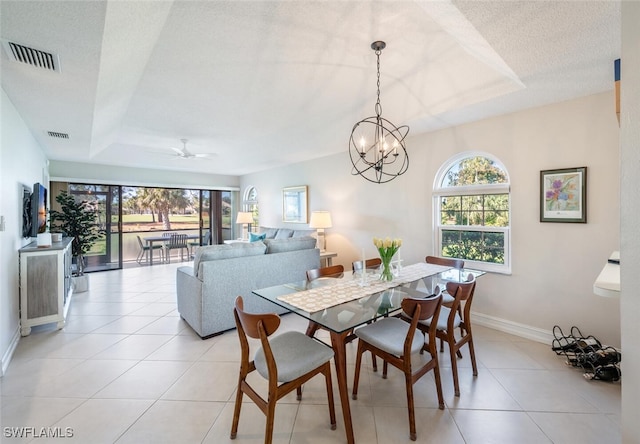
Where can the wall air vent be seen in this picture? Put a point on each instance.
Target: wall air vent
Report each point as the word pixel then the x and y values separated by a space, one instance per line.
pixel 58 135
pixel 31 56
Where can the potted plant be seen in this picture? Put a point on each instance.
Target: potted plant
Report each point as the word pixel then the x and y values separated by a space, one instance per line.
pixel 78 220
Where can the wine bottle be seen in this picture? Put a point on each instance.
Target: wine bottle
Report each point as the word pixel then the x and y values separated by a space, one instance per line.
pixel 604 373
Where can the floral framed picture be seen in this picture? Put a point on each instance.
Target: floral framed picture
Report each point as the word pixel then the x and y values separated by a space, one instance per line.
pixel 563 195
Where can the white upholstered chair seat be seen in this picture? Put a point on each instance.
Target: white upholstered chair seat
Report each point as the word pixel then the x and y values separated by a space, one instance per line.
pixel 388 334
pixel 295 354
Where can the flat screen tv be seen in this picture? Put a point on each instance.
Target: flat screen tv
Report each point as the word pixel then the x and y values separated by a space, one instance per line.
pixel 38 210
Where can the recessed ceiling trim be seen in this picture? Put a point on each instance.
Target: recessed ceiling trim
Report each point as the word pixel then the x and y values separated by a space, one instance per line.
pixel 31 56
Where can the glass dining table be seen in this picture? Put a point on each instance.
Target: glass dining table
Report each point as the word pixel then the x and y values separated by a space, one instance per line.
pixel 340 305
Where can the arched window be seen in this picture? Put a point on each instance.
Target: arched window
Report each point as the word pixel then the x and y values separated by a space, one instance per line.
pixel 472 212
pixel 250 203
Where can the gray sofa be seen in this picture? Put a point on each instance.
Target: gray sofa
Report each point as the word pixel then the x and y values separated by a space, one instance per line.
pixel 206 292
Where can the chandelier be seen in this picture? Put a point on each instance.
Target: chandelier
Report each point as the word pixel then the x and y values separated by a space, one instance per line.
pixel 376 146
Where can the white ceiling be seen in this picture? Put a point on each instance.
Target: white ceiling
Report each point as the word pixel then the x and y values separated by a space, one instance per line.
pixel 266 83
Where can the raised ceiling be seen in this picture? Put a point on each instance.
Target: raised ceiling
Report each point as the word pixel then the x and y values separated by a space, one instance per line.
pixel 266 83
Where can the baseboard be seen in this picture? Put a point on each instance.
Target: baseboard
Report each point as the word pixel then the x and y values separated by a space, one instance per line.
pixel 6 358
pixel 514 328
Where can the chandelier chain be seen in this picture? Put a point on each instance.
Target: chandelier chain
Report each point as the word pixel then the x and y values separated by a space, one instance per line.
pixel 378 105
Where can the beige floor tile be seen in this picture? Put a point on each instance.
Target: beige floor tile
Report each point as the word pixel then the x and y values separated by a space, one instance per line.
pixel 87 346
pixel 33 412
pixel 126 324
pixel 28 377
pixel 500 354
pixel 100 420
pixel 482 392
pixel 134 347
pixel 146 380
pixel 166 325
pixel 87 324
pixel 432 426
pixel 570 428
pixel 482 426
pixel 251 428
pixel 543 391
pixel 155 309
pixel 205 381
pixel 85 379
pixel 173 422
pixel 181 348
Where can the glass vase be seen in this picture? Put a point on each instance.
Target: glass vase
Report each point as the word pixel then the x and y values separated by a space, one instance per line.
pixel 385 271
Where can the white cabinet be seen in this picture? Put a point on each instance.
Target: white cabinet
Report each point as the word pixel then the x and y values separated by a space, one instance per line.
pixel 45 284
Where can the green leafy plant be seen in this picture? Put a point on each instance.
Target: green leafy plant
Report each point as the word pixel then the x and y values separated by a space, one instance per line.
pixel 77 219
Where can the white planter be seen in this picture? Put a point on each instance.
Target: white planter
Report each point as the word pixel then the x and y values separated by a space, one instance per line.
pixel 80 283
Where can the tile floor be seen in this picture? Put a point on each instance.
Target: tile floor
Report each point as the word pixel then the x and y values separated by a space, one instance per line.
pixel 127 369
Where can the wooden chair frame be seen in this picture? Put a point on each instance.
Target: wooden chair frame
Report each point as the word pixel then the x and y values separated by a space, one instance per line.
pixel 261 326
pixel 414 310
pixel 334 271
pixel 368 264
pixel 463 296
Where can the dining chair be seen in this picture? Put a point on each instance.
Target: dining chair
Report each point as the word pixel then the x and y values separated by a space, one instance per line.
pixel 193 245
pixel 450 319
pixel 395 341
pixel 368 264
pixel 332 271
pixel 286 361
pixel 176 242
pixel 458 264
pixel 145 250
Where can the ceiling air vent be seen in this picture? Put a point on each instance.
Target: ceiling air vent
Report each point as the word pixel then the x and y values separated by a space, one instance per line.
pixel 58 135
pixel 31 56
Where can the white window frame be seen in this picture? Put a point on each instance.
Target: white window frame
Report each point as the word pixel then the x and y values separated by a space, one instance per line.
pixel 439 191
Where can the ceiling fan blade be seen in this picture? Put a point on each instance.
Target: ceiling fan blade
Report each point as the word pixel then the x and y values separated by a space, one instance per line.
pixel 178 151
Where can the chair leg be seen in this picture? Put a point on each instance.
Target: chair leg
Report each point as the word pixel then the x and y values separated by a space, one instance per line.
pixel 412 414
pixel 384 369
pixel 236 411
pixel 472 355
pixel 356 375
pixel 454 368
pixel 271 416
pixel 438 379
pixel 332 407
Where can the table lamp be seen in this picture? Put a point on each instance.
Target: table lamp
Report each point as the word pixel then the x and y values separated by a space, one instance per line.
pixel 320 220
pixel 245 218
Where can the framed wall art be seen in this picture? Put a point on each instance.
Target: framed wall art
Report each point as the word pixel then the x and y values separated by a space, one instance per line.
pixel 563 195
pixel 294 204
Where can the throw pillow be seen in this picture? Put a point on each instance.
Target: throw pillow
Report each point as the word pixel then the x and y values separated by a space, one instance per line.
pixel 284 233
pixel 254 237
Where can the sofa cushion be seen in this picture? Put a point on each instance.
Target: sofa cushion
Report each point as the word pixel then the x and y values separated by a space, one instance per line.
pixel 290 244
pixel 217 252
pixel 270 232
pixel 283 233
pixel 303 233
pixel 254 237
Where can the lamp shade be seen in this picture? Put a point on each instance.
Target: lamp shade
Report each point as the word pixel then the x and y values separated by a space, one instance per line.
pixel 320 219
pixel 244 218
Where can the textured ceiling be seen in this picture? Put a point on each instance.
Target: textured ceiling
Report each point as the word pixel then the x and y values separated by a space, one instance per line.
pixel 265 83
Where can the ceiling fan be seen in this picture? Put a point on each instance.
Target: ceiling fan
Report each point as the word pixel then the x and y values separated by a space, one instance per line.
pixel 184 153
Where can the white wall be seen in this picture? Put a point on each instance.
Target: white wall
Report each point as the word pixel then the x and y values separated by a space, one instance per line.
pixel 630 210
pixel 22 162
pixel 554 264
